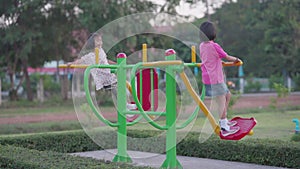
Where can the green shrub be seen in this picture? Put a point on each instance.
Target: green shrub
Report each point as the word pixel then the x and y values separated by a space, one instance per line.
pixel 275 78
pixel 50 86
pixel 296 138
pixel 259 151
pixel 252 85
pixel 281 90
pixel 75 141
pixel 16 158
pixel 64 142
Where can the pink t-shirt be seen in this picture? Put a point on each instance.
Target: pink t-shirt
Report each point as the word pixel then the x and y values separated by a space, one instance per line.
pixel 211 55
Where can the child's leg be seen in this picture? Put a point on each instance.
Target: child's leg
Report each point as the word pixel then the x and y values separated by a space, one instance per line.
pixel 227 100
pixel 221 104
pixel 224 114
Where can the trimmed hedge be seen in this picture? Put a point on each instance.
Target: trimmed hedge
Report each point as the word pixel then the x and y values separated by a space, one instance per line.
pixel 17 158
pixel 75 141
pixel 259 151
pixel 63 142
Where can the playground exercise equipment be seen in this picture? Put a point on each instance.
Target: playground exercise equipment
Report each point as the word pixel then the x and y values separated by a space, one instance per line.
pixel 172 66
pixel 147 86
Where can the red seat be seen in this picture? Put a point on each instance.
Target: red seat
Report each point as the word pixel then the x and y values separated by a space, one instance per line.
pixel 245 124
pixel 146 86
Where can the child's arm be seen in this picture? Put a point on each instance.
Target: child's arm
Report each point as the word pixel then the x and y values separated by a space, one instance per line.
pixel 111 62
pixel 232 59
pixel 75 62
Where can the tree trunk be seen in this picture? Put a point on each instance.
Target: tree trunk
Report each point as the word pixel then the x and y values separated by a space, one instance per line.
pixel 12 91
pixel 40 90
pixel 0 92
pixel 27 78
pixel 64 86
pixel 207 10
pixel 13 96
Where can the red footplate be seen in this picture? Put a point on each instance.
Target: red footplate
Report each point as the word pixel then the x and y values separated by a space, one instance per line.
pixel 245 124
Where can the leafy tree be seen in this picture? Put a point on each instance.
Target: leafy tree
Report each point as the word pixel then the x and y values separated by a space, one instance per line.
pixel 265 34
pixel 34 32
pixel 18 38
pixel 37 31
pixel 282 36
pixel 95 14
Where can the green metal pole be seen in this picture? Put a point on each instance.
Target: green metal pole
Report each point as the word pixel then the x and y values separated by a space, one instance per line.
pixel 152 89
pixel 171 162
pixel 89 97
pixel 141 86
pixel 122 155
pixel 203 92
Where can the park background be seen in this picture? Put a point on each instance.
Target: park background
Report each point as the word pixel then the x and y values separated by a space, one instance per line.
pixel 264 34
pixel 37 36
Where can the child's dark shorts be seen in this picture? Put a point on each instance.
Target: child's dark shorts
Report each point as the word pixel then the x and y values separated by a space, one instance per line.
pixel 218 89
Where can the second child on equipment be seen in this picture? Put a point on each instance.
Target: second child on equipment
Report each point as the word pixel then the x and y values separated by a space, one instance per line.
pixel 211 55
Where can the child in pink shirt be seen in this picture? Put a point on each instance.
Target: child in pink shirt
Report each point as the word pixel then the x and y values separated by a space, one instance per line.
pixel 211 55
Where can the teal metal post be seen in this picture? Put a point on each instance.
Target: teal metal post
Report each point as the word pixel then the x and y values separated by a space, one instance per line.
pixel 171 162
pixel 122 155
pixel 297 128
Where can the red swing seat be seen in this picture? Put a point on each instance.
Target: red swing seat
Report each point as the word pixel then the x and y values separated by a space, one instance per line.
pixel 246 125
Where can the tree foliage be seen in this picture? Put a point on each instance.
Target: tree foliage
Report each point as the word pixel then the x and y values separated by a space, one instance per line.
pixel 18 37
pixel 264 33
pixel 36 31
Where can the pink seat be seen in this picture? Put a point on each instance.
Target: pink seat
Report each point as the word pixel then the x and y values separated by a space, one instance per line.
pixel 245 124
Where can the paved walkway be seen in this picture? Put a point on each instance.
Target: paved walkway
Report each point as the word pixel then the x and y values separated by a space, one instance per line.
pixel 156 160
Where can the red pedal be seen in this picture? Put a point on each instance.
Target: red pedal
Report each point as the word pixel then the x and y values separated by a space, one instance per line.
pixel 245 124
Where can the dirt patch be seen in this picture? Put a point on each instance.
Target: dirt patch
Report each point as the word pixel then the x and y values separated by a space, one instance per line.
pixel 38 118
pixel 265 100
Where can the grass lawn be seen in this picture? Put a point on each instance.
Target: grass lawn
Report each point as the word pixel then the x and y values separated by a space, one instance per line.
pixel 270 124
pixel 11 112
pixel 275 125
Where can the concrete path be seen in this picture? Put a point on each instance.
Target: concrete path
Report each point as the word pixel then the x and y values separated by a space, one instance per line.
pixel 156 160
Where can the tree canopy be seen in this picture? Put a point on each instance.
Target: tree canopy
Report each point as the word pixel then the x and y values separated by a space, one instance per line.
pixel 264 33
pixel 35 31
